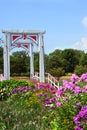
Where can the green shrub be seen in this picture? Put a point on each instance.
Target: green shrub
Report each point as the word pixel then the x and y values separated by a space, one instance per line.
pixel 57 72
pixel 6 86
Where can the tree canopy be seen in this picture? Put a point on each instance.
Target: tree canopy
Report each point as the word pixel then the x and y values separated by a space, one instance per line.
pixel 58 63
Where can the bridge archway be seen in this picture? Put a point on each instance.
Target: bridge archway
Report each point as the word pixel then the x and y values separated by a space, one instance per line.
pixel 25 39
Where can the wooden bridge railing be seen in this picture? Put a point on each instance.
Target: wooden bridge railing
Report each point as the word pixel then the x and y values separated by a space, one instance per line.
pixel 48 79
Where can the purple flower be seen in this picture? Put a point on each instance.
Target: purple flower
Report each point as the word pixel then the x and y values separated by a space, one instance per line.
pixel 58 104
pixel 52 88
pixel 77 90
pixel 9 94
pixel 46 99
pixel 60 87
pixel 52 92
pixel 78 128
pixel 44 94
pixel 59 92
pixel 14 90
pixel 46 102
pixel 79 104
pixel 52 99
pixel 82 115
pixel 66 99
pixel 39 95
pixel 20 89
pixel 28 88
pixel 83 77
pixel 85 89
pixel 45 86
pixel 69 85
pixel 74 106
pixel 74 78
pixel 86 122
pixel 76 120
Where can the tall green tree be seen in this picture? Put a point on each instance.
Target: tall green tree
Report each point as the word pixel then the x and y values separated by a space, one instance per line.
pixel 54 60
pixel 83 59
pixel 71 59
pixel 18 62
pixel 36 61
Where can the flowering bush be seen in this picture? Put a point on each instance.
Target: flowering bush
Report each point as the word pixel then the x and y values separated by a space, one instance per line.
pixel 67 103
pixel 7 86
pixel 80 117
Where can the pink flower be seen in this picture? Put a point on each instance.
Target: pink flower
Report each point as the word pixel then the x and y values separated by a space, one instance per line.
pixel 85 88
pixel 69 85
pixel 59 92
pixel 83 77
pixel 58 104
pixel 86 122
pixel 74 106
pixel 79 104
pixel 74 78
pixel 77 90
pixel 66 99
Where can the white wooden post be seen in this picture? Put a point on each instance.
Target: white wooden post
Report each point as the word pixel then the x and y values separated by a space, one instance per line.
pixel 31 61
pixel 6 57
pixel 41 58
pixel 5 60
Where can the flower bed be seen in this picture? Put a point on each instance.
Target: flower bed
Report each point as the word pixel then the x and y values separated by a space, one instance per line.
pixel 45 107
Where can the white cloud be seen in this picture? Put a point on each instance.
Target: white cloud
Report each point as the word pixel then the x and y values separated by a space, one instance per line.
pixel 84 21
pixel 84 42
pixel 80 45
pixel 76 45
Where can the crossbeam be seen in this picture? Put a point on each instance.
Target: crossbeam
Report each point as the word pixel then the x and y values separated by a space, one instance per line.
pixel 23 31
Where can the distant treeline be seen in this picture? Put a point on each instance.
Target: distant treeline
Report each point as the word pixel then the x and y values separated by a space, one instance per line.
pixel 58 63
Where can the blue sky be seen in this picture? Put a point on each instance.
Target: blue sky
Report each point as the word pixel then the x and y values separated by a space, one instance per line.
pixel 65 21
